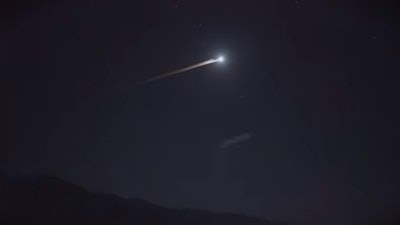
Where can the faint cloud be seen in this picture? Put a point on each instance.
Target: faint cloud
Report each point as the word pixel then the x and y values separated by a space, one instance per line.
pixel 236 140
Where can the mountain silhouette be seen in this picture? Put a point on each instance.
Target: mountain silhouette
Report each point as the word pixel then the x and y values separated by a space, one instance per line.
pixel 45 200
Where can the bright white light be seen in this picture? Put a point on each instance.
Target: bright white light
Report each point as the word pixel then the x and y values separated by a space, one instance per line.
pixel 220 59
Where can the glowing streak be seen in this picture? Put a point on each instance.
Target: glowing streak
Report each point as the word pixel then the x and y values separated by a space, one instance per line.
pixel 180 70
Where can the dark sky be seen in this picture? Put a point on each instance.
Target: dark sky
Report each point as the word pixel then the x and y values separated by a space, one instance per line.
pixel 300 123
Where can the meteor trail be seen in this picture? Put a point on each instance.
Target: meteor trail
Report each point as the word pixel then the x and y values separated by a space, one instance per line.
pixel 128 86
pixel 219 59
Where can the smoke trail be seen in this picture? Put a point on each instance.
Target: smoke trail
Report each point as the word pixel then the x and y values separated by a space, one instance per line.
pixel 179 71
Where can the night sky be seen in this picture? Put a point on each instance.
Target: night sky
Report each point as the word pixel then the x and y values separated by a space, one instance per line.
pixel 299 124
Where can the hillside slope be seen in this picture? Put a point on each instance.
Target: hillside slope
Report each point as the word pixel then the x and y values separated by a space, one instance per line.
pixel 26 200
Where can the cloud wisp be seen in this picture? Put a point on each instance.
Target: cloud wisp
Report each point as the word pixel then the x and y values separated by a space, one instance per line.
pixel 235 140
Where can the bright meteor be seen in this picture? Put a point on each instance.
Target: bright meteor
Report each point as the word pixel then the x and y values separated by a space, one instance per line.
pixel 219 59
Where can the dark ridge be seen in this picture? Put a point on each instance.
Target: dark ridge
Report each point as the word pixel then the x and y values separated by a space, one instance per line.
pixel 48 200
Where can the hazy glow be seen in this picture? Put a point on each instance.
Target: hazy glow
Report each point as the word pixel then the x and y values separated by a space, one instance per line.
pixel 220 59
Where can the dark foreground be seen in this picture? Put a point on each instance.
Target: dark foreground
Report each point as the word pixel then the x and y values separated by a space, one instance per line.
pixel 50 201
